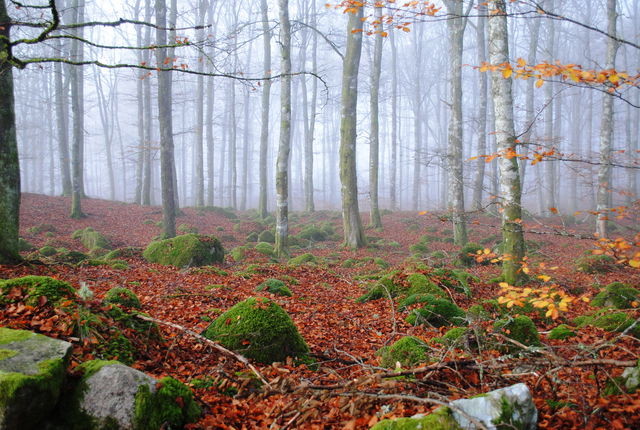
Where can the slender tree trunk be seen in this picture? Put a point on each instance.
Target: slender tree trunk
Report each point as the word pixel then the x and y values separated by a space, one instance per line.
pixel 309 117
pixel 148 109
pixel 199 135
pixel 62 118
pixel 394 125
pixel 606 129
pixel 353 232
pixel 167 164
pixel 9 163
pixel 77 108
pixel 374 148
pixel 264 120
pixel 549 165
pixel 140 112
pixel 107 127
pixel 510 191
pixel 478 187
pixel 456 28
pixel 284 148
pixel 209 122
pixel 246 151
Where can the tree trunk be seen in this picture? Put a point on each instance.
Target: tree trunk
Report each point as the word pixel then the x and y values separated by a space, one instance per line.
pixel 148 109
pixel 264 123
pixel 394 125
pixel 456 28
pixel 167 165
pixel 606 130
pixel 9 163
pixel 62 118
pixel 374 148
pixel 510 191
pixel 199 135
pixel 284 147
pixel 478 186
pixel 77 108
pixel 549 165
pixel 353 232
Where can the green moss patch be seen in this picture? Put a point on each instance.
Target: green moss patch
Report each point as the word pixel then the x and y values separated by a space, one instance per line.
pixel 561 332
pixel 407 351
pixel 122 296
pixel 440 419
pixel 303 259
pixel 264 248
pixel 185 251
pixel 37 287
pixel 596 264
pixel 521 329
pixel 260 329
pixel 267 236
pixel 92 240
pixel 617 295
pixel 420 284
pixel 437 312
pixel 275 286
pixel 171 404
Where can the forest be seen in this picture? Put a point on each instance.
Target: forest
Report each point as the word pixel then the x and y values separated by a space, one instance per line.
pixel 350 214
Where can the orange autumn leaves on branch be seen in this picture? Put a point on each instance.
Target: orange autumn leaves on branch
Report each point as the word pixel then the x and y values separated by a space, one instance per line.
pixel 610 79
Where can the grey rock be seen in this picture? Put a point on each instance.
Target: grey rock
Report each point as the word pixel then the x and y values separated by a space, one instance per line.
pixel 32 370
pixel 512 406
pixel 109 394
pixel 631 376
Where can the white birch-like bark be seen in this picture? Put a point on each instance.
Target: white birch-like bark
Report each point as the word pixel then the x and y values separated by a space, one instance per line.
pixel 266 95
pixel 374 147
pixel 199 128
pixel 478 186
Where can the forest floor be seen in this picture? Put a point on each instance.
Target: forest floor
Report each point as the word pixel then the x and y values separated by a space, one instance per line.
pixel 346 388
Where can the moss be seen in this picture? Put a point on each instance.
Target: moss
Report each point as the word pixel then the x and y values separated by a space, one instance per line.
pixel 617 295
pixel 275 286
pixel 238 253
pixel 385 286
pixel 455 279
pixel 438 255
pixel 478 313
pixel 311 232
pixel 130 320
pixel 349 263
pixel 595 264
pixel 48 251
pixel 7 353
pixel 467 253
pixel 91 239
pixel 252 237
pixel 381 263
pixel 172 404
pixel 36 287
pixel 419 249
pixel 561 332
pixel 437 312
pixel 303 259
pixel 185 251
pixel 24 246
pixel 260 329
pixel 440 419
pixel 614 322
pixel 520 329
pixel 420 284
pixel 71 257
pixel 8 335
pixel 118 348
pixel 451 337
pixel 264 248
pixel 267 236
pixel 407 351
pixel 412 300
pixel 186 229
pixel 37 229
pixel 122 296
pixel 127 252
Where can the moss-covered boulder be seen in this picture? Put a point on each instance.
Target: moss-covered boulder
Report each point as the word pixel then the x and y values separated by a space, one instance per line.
pixel 617 295
pixel 561 332
pixel 596 264
pixel 32 369
pixel 267 236
pixel 437 312
pixel 407 351
pixel 275 286
pixel 36 289
pixel 311 232
pixel 303 259
pixel 92 240
pixel 440 419
pixel 385 287
pixel 420 284
pixel 260 329
pixel 111 395
pixel 48 251
pixel 188 250
pixel 264 248
pixel 122 296
pixel 521 329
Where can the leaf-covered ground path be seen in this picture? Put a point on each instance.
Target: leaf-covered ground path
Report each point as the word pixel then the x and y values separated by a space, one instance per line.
pixel 346 388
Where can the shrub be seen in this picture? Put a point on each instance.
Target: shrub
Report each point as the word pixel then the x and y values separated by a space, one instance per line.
pixel 260 329
pixel 185 251
pixel 437 312
pixel 407 351
pixel 275 286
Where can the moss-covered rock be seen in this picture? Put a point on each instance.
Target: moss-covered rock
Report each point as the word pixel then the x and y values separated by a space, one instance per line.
pixel 252 237
pixel 126 252
pixel 267 236
pixel 437 312
pixel 264 248
pixel 420 284
pixel 260 329
pixel 608 321
pixel 452 337
pixel 617 295
pixel 301 259
pixel 37 287
pixel 440 419
pixel 520 329
pixel 185 251
pixel 275 286
pixel 31 375
pixel 92 240
pixel 311 232
pixel 238 253
pixel 561 332
pixel 596 264
pixel 407 351
pixel 48 251
pixel 122 296
pixel 386 286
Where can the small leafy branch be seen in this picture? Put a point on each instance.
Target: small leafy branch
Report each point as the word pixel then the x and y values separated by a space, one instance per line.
pixel 624 251
pixel 548 298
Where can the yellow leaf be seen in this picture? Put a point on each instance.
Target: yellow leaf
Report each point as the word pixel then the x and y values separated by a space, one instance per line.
pixel 634 263
pixel 506 73
pixel 503 285
pixel 545 278
pixel 521 62
pixel 422 213
pixel 539 83
pixel 525 270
